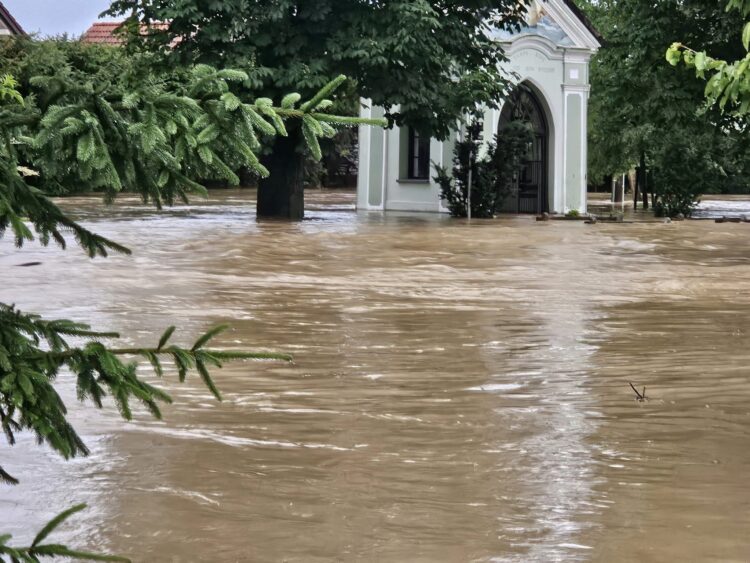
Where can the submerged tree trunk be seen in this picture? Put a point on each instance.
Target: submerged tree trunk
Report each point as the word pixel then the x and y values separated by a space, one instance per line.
pixel 644 180
pixel 619 187
pixel 632 178
pixel 282 195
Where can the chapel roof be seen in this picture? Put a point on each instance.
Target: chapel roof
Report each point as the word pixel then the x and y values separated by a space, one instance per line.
pixel 584 20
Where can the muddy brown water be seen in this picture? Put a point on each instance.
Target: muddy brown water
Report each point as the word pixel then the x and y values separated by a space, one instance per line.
pixel 460 392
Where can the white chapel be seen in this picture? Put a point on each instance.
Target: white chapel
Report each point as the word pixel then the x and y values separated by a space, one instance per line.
pixel 549 61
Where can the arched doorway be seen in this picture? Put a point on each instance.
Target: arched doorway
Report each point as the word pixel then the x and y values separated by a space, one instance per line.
pixel 531 193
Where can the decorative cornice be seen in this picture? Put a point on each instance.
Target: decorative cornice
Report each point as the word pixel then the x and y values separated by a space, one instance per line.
pixel 573 7
pixel 547 47
pixel 574 23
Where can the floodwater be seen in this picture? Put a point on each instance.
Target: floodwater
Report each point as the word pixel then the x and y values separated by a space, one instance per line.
pixel 460 392
pixel 713 207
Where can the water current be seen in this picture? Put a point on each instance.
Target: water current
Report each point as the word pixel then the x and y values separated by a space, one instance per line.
pixel 460 392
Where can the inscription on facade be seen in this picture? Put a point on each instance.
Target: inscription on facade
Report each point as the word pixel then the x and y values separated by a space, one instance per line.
pixel 535 62
pixel 532 68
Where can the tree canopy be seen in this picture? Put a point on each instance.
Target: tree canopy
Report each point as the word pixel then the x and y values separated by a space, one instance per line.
pixel 433 58
pixel 728 84
pixel 642 107
pixel 191 124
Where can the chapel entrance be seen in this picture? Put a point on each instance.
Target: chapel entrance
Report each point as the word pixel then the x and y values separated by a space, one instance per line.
pixel 530 193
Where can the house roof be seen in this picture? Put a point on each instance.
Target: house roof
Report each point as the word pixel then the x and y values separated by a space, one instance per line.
pixel 10 22
pixel 584 19
pixel 105 32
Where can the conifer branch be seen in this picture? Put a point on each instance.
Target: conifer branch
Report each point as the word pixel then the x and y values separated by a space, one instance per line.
pixel 324 93
pixel 218 354
pixel 7 478
pixel 156 140
pixel 36 550
pixel 28 400
pixel 349 121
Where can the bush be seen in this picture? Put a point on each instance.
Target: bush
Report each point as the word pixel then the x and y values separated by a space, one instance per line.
pixel 454 187
pixel 493 176
pixel 680 176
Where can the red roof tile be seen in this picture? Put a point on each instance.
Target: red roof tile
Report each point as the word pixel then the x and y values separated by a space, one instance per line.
pixel 104 32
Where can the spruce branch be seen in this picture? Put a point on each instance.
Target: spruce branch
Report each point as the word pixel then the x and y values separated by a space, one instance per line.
pixel 290 100
pixel 33 351
pixel 7 478
pixel 350 121
pixel 323 94
pixel 171 350
pixel 37 550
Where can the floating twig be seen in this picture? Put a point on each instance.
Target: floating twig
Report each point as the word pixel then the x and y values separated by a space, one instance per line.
pixel 640 397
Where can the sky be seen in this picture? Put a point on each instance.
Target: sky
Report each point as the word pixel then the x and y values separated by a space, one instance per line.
pixel 53 17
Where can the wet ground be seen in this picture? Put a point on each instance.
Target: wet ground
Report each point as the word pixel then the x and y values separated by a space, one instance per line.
pixel 460 391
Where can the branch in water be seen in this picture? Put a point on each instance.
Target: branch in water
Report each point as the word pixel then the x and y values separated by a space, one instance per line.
pixel 640 397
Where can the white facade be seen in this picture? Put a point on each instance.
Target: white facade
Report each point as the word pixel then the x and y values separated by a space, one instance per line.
pixel 550 58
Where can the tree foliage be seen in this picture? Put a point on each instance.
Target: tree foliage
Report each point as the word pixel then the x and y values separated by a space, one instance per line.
pixel 728 82
pixel 33 352
pixel 426 62
pixel 433 59
pixel 641 106
pixel 494 170
pixel 469 167
pixel 109 121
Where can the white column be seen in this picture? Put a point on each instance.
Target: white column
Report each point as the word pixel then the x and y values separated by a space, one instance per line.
pixel 363 165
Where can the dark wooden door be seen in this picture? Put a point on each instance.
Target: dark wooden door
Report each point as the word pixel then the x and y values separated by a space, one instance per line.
pixel 531 194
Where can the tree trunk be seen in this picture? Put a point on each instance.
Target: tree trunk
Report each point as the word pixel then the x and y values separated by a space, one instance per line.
pixel 644 180
pixel 619 190
pixel 282 195
pixel 247 178
pixel 636 185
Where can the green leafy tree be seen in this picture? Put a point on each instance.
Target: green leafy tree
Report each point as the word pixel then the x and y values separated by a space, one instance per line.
pixel 728 81
pixel 645 114
pixel 426 61
pixel 144 140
